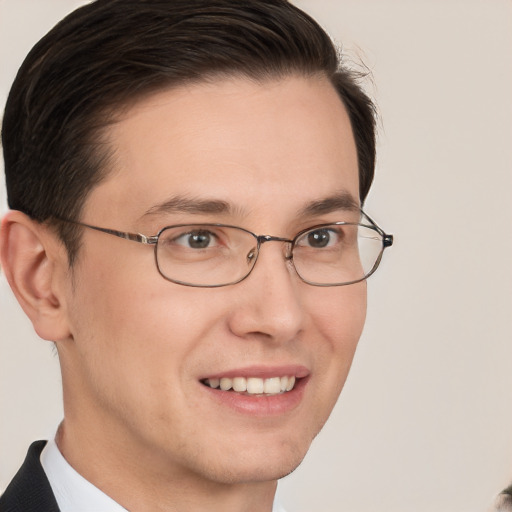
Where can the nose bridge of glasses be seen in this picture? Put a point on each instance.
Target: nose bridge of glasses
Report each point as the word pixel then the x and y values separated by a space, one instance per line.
pixel 268 238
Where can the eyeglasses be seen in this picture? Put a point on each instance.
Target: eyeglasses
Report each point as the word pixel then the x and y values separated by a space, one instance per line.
pixel 214 255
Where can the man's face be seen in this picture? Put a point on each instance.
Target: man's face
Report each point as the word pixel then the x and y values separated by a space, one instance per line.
pixel 142 347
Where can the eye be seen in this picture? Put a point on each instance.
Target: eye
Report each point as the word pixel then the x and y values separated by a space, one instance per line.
pixel 199 239
pixel 320 238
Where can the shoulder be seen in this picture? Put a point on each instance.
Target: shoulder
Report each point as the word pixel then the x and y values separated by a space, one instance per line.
pixel 503 501
pixel 29 490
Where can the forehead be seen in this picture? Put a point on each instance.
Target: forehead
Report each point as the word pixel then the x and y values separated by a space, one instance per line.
pixel 275 146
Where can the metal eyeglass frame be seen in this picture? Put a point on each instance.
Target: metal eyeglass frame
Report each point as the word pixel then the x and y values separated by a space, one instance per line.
pixel 387 241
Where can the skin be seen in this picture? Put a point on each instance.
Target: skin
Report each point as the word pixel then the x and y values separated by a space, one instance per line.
pixel 133 346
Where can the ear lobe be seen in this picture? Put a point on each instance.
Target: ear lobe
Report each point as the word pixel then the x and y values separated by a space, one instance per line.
pixel 29 260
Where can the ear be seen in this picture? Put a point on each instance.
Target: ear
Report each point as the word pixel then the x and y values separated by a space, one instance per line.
pixel 32 259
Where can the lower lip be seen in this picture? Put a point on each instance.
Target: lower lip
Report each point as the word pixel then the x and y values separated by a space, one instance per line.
pixel 260 405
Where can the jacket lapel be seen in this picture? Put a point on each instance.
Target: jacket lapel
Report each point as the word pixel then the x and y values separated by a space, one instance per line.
pixel 30 491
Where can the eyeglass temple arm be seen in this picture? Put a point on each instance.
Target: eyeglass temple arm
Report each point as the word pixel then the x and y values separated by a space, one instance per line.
pixel 134 237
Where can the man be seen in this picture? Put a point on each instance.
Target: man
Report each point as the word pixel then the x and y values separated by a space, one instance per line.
pixel 225 135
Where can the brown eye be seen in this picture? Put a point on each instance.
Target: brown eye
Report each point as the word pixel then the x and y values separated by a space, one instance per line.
pixel 196 239
pixel 199 240
pixel 319 238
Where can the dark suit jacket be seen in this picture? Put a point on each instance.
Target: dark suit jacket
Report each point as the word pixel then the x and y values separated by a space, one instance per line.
pixel 29 490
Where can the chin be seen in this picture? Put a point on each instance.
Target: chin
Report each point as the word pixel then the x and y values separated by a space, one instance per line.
pixel 255 473
pixel 260 465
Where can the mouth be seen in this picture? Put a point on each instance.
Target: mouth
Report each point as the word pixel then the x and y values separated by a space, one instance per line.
pixel 255 386
pixel 258 391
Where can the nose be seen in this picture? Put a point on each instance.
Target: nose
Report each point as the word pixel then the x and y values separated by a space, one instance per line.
pixel 269 303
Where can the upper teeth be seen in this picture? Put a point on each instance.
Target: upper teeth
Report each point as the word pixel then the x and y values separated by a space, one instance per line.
pixel 253 385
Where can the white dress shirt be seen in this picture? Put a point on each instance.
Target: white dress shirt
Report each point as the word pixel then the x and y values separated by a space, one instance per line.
pixel 74 493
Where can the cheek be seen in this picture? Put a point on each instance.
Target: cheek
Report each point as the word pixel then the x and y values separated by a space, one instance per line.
pixel 135 322
pixel 125 325
pixel 339 318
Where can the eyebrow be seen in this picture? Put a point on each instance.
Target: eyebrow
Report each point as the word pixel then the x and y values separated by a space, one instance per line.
pixel 182 204
pixel 340 201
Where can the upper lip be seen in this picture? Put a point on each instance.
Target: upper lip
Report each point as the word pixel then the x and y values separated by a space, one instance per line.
pixel 262 372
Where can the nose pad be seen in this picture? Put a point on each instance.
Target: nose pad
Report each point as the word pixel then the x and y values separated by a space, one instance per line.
pixel 251 256
pixel 288 251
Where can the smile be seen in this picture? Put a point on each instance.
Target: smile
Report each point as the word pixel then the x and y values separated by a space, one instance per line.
pixel 253 385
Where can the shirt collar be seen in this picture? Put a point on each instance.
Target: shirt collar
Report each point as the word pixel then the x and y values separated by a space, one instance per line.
pixel 72 491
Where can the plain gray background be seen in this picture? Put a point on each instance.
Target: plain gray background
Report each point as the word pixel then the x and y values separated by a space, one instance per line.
pixel 425 420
